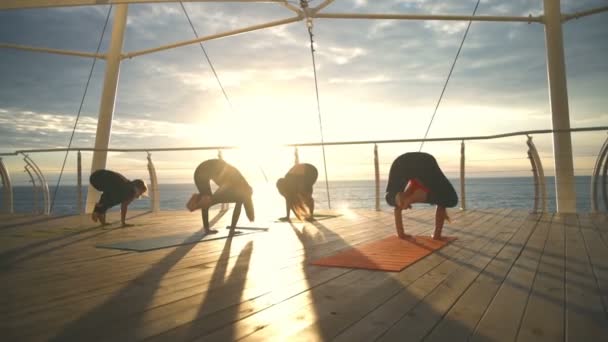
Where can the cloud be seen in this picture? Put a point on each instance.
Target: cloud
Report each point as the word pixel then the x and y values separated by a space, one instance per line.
pixel 449 28
pixel 342 55
pixel 376 79
pixel 596 120
pixel 28 129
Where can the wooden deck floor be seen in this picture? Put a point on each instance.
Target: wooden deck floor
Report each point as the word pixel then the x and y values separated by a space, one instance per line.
pixel 510 276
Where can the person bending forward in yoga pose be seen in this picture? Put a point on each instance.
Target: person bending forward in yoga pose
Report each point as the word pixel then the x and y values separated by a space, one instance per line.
pixel 297 187
pixel 232 188
pixel 116 189
pixel 415 177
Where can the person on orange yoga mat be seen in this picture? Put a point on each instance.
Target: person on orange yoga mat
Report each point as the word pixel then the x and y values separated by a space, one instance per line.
pixel 415 177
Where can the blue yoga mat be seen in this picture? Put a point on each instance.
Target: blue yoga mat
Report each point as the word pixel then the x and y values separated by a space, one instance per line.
pixel 166 241
pixel 317 217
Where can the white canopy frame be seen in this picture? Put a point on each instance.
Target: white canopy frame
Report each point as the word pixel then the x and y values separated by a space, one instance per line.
pixel 552 19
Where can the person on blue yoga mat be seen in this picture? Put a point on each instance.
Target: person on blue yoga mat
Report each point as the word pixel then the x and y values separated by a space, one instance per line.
pixel 232 188
pixel 415 177
pixel 116 189
pixel 296 187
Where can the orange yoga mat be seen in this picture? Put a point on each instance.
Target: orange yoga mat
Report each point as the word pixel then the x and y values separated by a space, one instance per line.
pixel 389 254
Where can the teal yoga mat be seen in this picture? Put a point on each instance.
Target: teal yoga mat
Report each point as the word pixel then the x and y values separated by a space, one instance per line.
pixel 166 241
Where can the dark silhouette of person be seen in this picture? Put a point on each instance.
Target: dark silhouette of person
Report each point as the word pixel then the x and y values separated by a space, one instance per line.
pixel 415 177
pixel 115 189
pixel 297 187
pixel 232 188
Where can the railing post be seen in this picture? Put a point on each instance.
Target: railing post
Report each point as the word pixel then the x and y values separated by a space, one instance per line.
pixel 377 175
pixel 604 184
pixel 463 203
pixel 28 169
pixel 224 206
pixel 155 194
pixel 535 176
pixel 540 188
pixel 79 182
pixel 44 187
pixel 296 156
pixel 7 190
pixel 601 158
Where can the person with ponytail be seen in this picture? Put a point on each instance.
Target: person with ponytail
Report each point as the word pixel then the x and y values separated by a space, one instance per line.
pixel 297 188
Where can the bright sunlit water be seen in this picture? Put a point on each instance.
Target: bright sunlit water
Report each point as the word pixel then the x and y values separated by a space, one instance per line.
pixel 514 192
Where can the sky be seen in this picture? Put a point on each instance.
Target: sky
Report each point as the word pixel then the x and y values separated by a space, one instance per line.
pixel 377 80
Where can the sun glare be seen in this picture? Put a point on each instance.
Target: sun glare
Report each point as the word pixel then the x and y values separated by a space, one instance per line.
pixel 345 210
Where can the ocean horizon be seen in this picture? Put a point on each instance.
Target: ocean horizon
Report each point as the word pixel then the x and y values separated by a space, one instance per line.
pixel 481 193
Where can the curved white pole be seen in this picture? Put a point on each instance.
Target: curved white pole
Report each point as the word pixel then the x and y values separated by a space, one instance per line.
pixel 44 186
pixel 596 175
pixel 540 187
pixel 7 190
pixel 79 182
pixel 463 198
pixel 377 176
pixel 155 194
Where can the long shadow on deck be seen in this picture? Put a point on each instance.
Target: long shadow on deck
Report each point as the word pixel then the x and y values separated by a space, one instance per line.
pixel 224 294
pixel 27 221
pixel 341 302
pixel 122 314
pixel 131 301
pixel 19 254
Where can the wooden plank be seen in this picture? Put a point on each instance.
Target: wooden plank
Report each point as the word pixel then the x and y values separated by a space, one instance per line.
pixel 270 321
pixel 188 301
pixel 346 329
pixel 144 291
pixel 600 223
pixel 382 317
pixel 597 252
pixel 463 317
pixel 98 277
pixel 206 322
pixel 501 320
pixel 419 321
pixel 330 303
pixel 543 319
pixel 586 319
pixel 600 220
pixel 328 325
pixel 98 270
pixel 130 295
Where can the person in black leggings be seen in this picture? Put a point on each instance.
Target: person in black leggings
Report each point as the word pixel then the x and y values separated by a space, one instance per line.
pixel 296 187
pixel 232 188
pixel 415 177
pixel 115 189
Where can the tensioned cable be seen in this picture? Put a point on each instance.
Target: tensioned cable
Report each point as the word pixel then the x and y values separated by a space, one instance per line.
pixel 207 56
pixel 80 107
pixel 314 68
pixel 214 73
pixel 445 85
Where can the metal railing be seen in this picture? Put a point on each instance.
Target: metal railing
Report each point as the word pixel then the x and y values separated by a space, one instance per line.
pixel 7 190
pixel 540 189
pixel 601 168
pixel 598 183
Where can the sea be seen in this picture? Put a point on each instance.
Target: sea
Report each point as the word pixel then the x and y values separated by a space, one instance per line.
pixel 481 193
